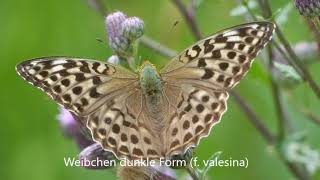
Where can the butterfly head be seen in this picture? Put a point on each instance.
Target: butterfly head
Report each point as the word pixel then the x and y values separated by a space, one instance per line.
pixel 149 79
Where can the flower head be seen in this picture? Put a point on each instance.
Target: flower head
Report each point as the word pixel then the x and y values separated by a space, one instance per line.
pixel 114 59
pixel 308 8
pixel 133 28
pixel 113 23
pixel 304 154
pixel 72 128
pixel 122 32
pixel 146 172
pixel 117 41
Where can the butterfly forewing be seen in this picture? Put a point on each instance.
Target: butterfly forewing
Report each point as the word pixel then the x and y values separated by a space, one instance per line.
pixel 221 60
pixel 80 85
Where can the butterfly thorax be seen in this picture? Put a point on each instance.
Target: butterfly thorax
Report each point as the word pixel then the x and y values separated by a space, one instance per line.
pixel 150 83
pixel 149 80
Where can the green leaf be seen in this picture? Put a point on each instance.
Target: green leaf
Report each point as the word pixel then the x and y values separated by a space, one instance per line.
pixel 282 14
pixel 286 75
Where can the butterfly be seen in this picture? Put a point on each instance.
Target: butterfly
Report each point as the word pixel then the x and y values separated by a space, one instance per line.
pixel 149 113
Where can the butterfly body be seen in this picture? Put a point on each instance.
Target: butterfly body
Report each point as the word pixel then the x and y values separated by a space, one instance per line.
pixel 152 114
pixel 150 83
pixel 149 80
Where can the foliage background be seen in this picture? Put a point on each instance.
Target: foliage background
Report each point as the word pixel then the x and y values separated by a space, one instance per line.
pixel 33 146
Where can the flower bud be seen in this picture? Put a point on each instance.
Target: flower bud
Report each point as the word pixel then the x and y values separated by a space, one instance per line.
pixel 302 153
pixel 117 41
pixel 114 59
pixel 113 23
pixel 72 128
pixel 133 28
pixel 308 8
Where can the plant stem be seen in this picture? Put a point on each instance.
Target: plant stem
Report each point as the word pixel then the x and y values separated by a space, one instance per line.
pixel 306 75
pixel 250 12
pixel 98 6
pixel 193 173
pixel 154 45
pixel 314 118
pixel 275 89
pixel 296 169
pixel 286 57
pixel 253 117
pixel 317 23
pixel 277 98
pixel 267 13
pixel 189 17
pixel 315 28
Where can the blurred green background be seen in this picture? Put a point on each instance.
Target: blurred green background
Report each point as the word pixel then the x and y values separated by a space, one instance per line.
pixel 32 144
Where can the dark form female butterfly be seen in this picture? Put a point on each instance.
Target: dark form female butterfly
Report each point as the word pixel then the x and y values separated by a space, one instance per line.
pixel 151 114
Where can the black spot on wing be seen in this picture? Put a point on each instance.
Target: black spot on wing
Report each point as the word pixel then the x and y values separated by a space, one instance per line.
pixel 223 66
pixel 231 54
pixel 207 74
pixel 207 46
pixel 195 48
pixel 216 54
pixel 220 39
pixel 94 94
pixel 202 63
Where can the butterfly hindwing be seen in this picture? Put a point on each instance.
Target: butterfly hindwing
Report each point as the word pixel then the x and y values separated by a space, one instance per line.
pixel 197 110
pixel 121 126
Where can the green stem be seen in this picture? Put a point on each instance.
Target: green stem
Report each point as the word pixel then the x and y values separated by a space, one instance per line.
pixel 193 172
pixel 267 13
pixel 316 21
pixel 277 98
pixel 250 12
pixel 156 46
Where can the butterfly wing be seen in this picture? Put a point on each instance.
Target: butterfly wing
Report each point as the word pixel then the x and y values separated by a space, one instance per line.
pixel 197 110
pixel 201 76
pixel 221 60
pixel 121 125
pixel 104 96
pixel 80 85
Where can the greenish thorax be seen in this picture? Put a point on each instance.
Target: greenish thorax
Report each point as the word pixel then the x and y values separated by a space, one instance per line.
pixel 150 81
pixel 151 86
